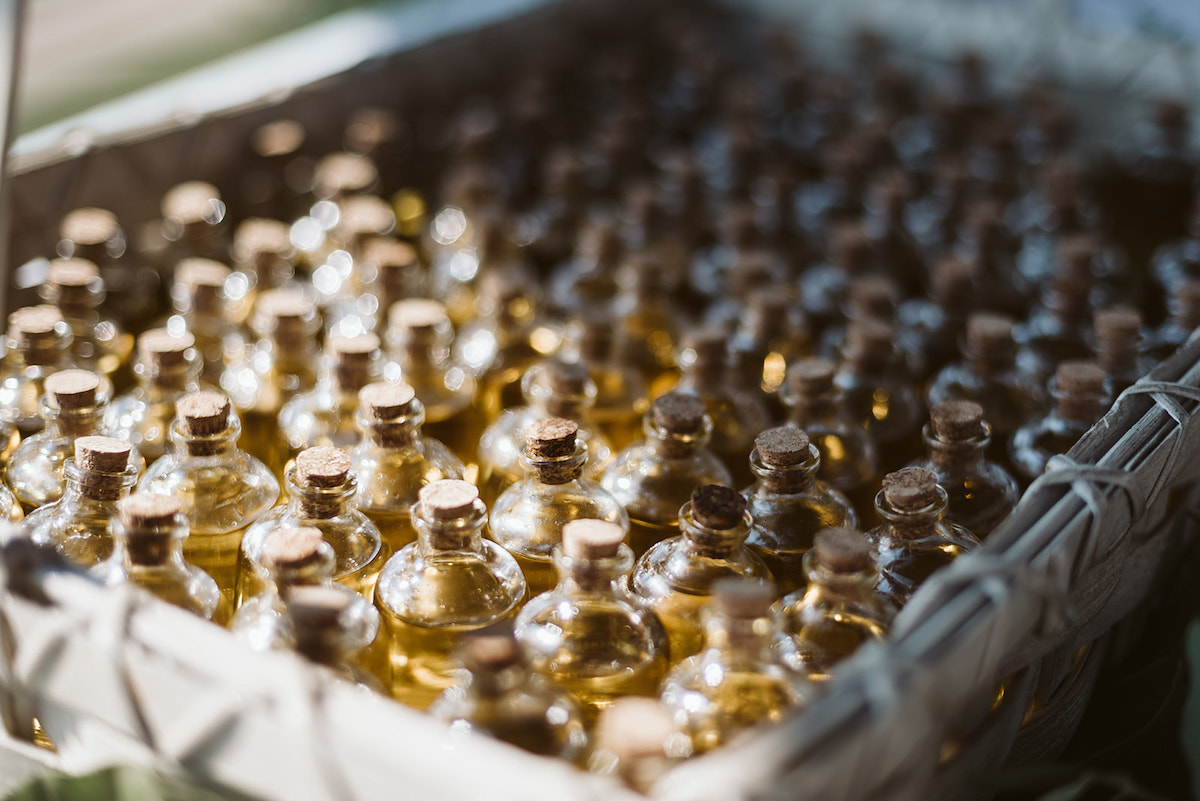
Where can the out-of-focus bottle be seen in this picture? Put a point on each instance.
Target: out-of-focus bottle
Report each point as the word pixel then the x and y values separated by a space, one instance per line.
pixel 1184 307
pixel 262 257
pixel 528 517
pixel 1118 347
pixel 448 583
pixel 675 578
pixel 387 271
pixel 738 680
pixel 221 489
pixel 337 280
pixel 647 325
pixel 914 539
pixel 826 285
pixel 194 222
pixel 589 279
pixel 1058 329
pixel 325 629
pixel 393 460
pixel 198 295
pixel 653 478
pixel 38 345
pixel 789 505
pixel 75 288
pixel 148 536
pixel 930 330
pixel 771 335
pixel 1079 400
pixel 586 634
pixel 638 740
pixel 502 697
pixel 99 475
pixel 840 609
pixel 134 289
pixel 981 493
pixel 168 367
pixel 320 487
pixel 273 183
pixel 622 397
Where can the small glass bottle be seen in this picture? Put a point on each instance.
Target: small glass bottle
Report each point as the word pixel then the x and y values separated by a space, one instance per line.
pixel 586 634
pixel 1118 347
pixel 653 478
pixel 588 280
pixel 789 504
pixel 393 460
pixel 675 578
pixel 647 323
pixel 201 305
pixel 388 271
pixel 448 583
pixel 359 219
pixel 148 536
pixel 840 609
pixel 167 368
pixel 194 222
pixel 73 407
pixel 981 493
pixel 622 397
pixel 1184 307
pixel 504 698
pixel 99 475
pixel 638 740
pixel 930 330
pixel 1080 399
pixel 221 489
pixel 1057 328
pixel 528 517
pixel 262 258
pixel 75 288
pixel 321 486
pixel 134 288
pixel 738 680
pixel 38 344
pixel 914 538
pixel 325 628
pixel 770 335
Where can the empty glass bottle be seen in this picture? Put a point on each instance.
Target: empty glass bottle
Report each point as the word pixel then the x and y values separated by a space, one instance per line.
pixel 653 478
pixel 38 344
pixel 148 535
pixel 167 368
pixel 1080 399
pixel 789 505
pixel 1118 332
pixel 914 538
pixel 586 634
pixel 738 680
pixel 528 517
pixel 75 288
pixel 325 629
pixel 99 475
pixel 448 583
pixel 675 578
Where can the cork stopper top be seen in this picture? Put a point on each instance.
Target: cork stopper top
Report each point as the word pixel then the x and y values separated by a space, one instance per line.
pixel 89 226
pixel 196 274
pixel 143 510
pixel 811 377
pixel 869 339
pixel 874 296
pixel 910 489
pixel 956 420
pixel 491 653
pixel 708 346
pixel 284 305
pixel 953 279
pixel 73 389
pixel 386 401
pixel 316 607
pixel 340 173
pixel 358 348
pixel 850 247
pixel 990 335
pixel 203 414
pixel 260 236
pixel 448 499
pixel 551 438
pixel 192 202
pixel 636 728
pixel 1077 377
pixel 417 314
pixel 843 550
pixel 277 138
pixel 784 446
pixel 72 273
pixel 716 507
pixel 292 548
pixel 1118 324
pixel 589 539
pixel 679 413
pixel 388 254
pixel 322 467
pixel 363 215
pixel 34 325
pixel 743 599
pixel 163 348
pixel 102 454
pixel 566 378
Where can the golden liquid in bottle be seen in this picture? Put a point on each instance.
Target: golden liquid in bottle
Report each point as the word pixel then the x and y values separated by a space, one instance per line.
pixel 644 535
pixel 251 579
pixel 680 615
pixel 744 699
pixel 9 446
pixel 216 553
pixel 540 575
pixel 262 438
pixel 833 638
pixel 458 428
pixel 499 390
pixel 396 528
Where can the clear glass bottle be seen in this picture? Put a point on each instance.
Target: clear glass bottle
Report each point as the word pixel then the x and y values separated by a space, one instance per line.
pixel 194 222
pixel 75 288
pixel 1058 328
pixel 551 388
pixel 1080 399
pixel 167 368
pixel 1184 318
pixel 914 538
pixel 638 740
pixel 201 309
pixel 647 323
pixel 73 407
pixel 789 504
pixel 771 334
pixel 528 517
pixel 622 396
pixel 839 610
pixel 675 578
pixel 99 475
pixel 321 487
pixel 589 279
pixel 37 345
pixel 387 271
pixel 356 220
pixel 262 256
pixel 221 489
pixel 586 634
pixel 394 460
pixel 738 680
pixel 324 628
pixel 1118 332
pixel 505 699
pixel 448 583
pixel 133 288
pixel 981 493
pixel 930 330
pixel 148 534
pixel 653 478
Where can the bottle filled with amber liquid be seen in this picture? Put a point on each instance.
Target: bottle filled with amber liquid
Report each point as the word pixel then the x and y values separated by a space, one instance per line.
pixel 1079 400
pixel 99 344
pixel 167 368
pixel 622 397
pixel 324 628
pixel 37 345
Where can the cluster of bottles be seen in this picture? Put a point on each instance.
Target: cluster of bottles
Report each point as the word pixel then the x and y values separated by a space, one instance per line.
pixel 510 431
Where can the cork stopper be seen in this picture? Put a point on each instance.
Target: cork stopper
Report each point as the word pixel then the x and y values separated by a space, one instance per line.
pixel 322 467
pixel 707 347
pixel 491 653
pixel 850 247
pixel 869 340
pixel 910 489
pixel 718 508
pixel 679 413
pixel 635 729
pixel 1075 256
pixel 956 420
pixel 292 548
pixel 785 446
pixel 73 277
pixel 316 608
pixel 277 138
pixel 344 173
pixel 812 377
pixel 448 499
pixel 143 510
pixel 1119 325
pixel 551 438
pixel 1079 378
pixel 288 313
pixel 72 390
pixel 417 315
pixel 201 276
pixel 743 599
pixel 386 401
pixel 364 215
pixel 203 414
pixel 842 550
pixel 874 296
pixel 89 226
pixel 566 378
pixel 163 349
pixel 990 336
pixel 953 280
pixel 193 202
pixel 35 326
pixel 258 237
pixel 588 540
pixel 389 255
pixel 357 349
pixel 102 454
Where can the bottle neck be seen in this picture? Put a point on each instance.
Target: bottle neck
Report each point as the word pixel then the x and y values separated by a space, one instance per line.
pixel 319 503
pixel 790 480
pixel 914 525
pixel 398 433
pixel 464 533
pixel 322 645
pixel 963 454
pixel 556 471
pixel 73 423
pixel 316 573
pixel 807 409
pixel 495 684
pixel 674 446
pixel 223 444
pixel 168 384
pixel 740 636
pixel 712 543
pixel 593 576
pixel 152 549
pixel 93 485
pixel 838 587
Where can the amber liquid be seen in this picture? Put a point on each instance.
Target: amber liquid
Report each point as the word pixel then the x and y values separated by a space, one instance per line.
pixel 825 643
pixel 680 615
pixel 977 506
pixel 540 575
pixel 458 429
pixel 644 535
pixel 216 553
pixel 396 528
pixel 262 438
pixel 740 701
